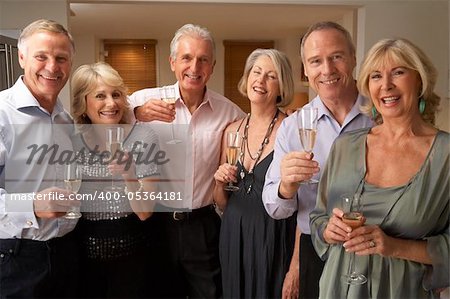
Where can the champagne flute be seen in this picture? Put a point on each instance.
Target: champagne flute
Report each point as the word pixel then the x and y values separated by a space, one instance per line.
pixel 307 128
pixel 353 216
pixel 72 182
pixel 114 141
pixel 233 148
pixel 169 95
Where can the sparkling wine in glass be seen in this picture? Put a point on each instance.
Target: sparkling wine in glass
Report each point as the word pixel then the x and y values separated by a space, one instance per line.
pixel 233 149
pixel 114 141
pixel 169 95
pixel 72 182
pixel 307 128
pixel 353 216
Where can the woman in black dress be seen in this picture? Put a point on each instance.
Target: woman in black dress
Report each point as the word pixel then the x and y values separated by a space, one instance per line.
pixel 255 250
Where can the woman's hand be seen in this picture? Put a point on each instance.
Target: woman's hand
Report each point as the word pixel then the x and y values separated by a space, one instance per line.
pixel 291 284
pixel 225 173
pixel 369 239
pixel 123 165
pixel 336 230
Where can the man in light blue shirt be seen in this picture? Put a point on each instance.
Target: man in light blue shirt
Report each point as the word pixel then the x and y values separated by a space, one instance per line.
pixel 37 255
pixel 328 55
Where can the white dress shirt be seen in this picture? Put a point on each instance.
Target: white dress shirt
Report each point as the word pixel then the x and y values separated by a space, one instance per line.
pixel 24 123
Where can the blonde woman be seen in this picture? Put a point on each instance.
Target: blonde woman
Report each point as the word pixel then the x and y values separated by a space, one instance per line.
pixel 112 231
pixel 400 170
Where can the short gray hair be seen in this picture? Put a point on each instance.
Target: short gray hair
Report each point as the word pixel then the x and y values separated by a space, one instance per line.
pixel 42 25
pixel 191 30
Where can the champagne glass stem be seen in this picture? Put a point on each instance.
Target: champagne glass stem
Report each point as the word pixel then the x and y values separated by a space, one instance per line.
pixel 351 270
pixel 173 132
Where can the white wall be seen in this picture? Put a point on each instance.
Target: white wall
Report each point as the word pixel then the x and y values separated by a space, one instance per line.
pixel 425 23
pixel 16 15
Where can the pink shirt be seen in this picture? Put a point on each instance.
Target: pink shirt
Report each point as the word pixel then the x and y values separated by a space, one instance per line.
pixel 206 126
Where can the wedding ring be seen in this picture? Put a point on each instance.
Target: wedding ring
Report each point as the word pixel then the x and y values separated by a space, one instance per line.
pixel 372 244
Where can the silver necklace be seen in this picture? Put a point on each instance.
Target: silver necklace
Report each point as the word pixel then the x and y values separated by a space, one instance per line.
pixel 244 145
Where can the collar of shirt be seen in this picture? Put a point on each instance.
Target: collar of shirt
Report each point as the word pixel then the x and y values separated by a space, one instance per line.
pixel 25 99
pixel 206 98
pixel 323 110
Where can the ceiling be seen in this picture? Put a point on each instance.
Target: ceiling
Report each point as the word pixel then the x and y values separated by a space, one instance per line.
pixel 159 20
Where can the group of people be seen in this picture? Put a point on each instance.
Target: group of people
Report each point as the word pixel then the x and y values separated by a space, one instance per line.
pixel 274 237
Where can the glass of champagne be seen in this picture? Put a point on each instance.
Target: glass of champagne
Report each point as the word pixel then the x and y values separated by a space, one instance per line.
pixel 169 95
pixel 114 141
pixel 307 128
pixel 353 216
pixel 72 182
pixel 233 148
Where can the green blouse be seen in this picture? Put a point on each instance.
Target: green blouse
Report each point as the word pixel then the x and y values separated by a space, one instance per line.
pixel 418 210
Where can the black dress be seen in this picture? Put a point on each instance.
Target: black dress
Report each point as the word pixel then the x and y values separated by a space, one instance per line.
pixel 255 250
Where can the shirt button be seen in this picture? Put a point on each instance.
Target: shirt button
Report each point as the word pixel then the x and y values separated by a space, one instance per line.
pixel 30 223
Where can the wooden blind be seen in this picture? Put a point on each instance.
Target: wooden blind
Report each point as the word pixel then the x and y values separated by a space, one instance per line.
pixel 135 60
pixel 236 53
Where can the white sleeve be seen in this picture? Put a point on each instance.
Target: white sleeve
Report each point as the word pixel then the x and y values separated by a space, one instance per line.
pixel 16 210
pixel 140 97
pixel 276 207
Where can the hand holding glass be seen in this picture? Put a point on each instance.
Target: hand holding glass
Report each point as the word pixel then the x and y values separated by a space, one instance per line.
pixel 114 140
pixel 353 216
pixel 307 128
pixel 72 182
pixel 169 95
pixel 233 148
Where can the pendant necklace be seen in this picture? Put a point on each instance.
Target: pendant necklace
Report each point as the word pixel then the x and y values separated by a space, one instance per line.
pixel 244 145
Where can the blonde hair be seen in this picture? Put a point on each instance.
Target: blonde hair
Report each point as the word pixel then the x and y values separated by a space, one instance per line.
pixel 42 25
pixel 85 80
pixel 408 55
pixel 283 69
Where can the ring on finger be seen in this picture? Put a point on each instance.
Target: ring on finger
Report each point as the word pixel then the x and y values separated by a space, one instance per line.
pixel 372 244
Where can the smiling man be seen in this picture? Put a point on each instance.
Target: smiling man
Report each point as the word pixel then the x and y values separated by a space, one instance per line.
pixel 188 242
pixel 38 256
pixel 328 55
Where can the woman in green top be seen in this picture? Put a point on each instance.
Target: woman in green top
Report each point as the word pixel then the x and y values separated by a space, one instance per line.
pixel 400 170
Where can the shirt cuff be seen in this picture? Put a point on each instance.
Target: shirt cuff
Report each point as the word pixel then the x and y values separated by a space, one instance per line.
pixel 286 203
pixel 20 210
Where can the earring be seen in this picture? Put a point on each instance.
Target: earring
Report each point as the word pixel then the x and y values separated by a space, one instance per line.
pixel 374 112
pixel 422 105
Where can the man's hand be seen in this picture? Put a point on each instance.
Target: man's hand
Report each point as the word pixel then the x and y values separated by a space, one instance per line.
pixel 53 202
pixel 155 109
pixel 295 168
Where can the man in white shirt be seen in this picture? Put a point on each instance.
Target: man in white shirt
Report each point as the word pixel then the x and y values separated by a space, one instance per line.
pixel 37 255
pixel 189 240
